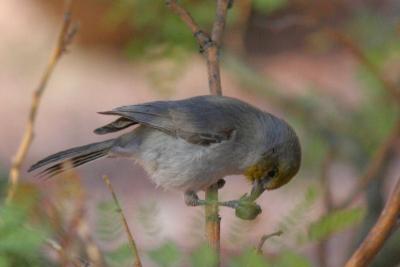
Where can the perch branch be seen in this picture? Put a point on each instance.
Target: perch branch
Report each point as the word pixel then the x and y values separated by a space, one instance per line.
pixel 65 37
pixel 374 166
pixel 379 233
pixel 125 223
pixel 202 38
pixel 209 46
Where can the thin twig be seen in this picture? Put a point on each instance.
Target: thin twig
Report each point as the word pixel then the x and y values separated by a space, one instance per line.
pixel 264 238
pixel 201 36
pixel 220 21
pixel 374 166
pixel 379 233
pixel 209 45
pixel 67 32
pixel 125 222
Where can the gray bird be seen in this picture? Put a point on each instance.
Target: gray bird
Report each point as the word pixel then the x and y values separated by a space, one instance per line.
pixel 191 144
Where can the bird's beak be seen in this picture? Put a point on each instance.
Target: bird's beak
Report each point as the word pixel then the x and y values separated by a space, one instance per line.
pixel 267 183
pixel 257 189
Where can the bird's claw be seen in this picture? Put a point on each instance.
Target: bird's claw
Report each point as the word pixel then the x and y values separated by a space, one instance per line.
pixel 191 199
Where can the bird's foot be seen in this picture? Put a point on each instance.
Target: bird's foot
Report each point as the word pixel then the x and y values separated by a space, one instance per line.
pixel 191 199
pixel 230 204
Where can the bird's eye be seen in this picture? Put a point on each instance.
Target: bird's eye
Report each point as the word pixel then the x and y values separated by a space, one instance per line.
pixel 272 173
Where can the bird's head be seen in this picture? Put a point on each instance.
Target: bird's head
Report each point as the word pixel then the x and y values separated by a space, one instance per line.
pixel 278 164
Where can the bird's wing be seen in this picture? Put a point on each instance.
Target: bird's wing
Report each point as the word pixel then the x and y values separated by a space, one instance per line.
pixel 199 120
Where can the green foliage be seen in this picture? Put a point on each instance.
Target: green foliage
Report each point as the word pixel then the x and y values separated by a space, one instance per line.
pixel 167 255
pixel 366 25
pixel 290 259
pixel 249 258
pixel 268 6
pixel 20 241
pixel 203 256
pixel 334 222
pixel 121 256
pixel 157 26
pixel 239 229
pixel 375 117
pixel 110 228
pixel 148 217
pixel 108 225
pixel 297 217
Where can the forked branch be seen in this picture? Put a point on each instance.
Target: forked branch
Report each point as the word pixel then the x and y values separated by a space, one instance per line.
pixel 209 46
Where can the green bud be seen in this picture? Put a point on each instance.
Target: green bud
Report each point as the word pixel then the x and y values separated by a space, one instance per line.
pixel 247 210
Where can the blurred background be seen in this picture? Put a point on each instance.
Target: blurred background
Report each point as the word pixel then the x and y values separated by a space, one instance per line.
pixel 330 68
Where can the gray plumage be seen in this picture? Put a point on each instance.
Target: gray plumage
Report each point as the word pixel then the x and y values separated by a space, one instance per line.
pixel 189 144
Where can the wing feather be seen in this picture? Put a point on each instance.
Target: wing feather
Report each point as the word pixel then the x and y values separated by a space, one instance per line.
pixel 196 120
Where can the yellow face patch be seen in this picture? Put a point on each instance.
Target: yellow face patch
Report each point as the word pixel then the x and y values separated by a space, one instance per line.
pixel 255 172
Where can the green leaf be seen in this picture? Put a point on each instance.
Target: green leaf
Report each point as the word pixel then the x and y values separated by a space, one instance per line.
pixel 20 241
pixel 292 221
pixel 167 255
pixel 334 222
pixel 122 256
pixel 249 258
pixel 108 223
pixel 204 256
pixel 268 6
pixel 4 262
pixel 290 259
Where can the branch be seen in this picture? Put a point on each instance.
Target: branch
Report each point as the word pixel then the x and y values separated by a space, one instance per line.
pixel 66 35
pixel 202 38
pixel 125 223
pixel 265 238
pixel 379 233
pixel 374 166
pixel 220 21
pixel 209 46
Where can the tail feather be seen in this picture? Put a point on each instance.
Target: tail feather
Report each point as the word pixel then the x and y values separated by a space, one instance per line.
pixel 72 158
pixel 115 126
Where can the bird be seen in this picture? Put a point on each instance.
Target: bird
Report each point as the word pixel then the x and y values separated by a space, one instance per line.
pixel 191 144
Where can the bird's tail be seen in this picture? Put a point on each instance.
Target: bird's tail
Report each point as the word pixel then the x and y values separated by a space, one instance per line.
pixel 72 158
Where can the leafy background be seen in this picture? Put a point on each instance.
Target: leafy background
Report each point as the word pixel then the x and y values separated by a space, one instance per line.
pixel 278 54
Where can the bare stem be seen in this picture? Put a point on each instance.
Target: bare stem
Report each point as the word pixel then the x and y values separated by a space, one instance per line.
pixel 264 238
pixel 379 233
pixel 125 223
pixel 209 46
pixel 65 37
